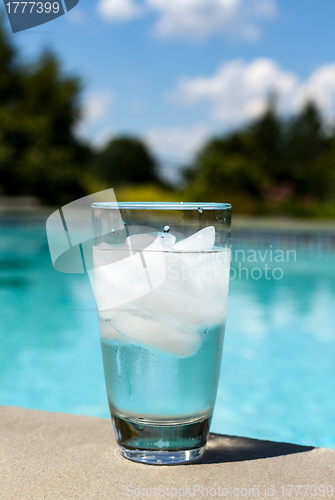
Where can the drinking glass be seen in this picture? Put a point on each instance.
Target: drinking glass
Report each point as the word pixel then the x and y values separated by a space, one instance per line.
pixel 161 274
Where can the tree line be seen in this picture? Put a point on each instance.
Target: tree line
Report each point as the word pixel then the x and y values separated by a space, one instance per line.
pixel 273 165
pixel 40 154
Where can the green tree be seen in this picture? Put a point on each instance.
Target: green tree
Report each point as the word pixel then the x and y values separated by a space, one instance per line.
pixel 306 142
pixel 39 108
pixel 240 162
pixel 126 160
pixel 273 164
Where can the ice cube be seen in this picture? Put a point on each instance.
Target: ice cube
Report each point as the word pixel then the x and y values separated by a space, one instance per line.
pixel 183 272
pixel 167 239
pixel 181 342
pixel 201 241
pixel 105 254
pixel 180 309
pixel 120 282
pixel 117 280
pixel 140 242
pixel 168 314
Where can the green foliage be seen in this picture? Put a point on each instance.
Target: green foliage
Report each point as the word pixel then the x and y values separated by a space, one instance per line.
pixel 272 166
pixel 126 160
pixel 147 192
pixel 39 154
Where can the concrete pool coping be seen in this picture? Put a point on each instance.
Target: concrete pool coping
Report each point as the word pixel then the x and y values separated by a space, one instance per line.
pixel 60 456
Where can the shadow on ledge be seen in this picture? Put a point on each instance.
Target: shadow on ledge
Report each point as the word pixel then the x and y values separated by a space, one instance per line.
pixel 237 449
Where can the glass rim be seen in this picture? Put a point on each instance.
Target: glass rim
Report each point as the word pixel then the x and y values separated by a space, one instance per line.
pixel 163 205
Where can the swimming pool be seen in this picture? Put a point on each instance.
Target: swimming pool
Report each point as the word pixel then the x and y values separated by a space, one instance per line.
pixel 278 372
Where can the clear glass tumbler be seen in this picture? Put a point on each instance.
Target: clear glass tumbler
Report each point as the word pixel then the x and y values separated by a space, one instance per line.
pixel 161 275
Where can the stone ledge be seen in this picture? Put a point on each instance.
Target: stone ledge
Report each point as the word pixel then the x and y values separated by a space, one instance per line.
pixel 58 456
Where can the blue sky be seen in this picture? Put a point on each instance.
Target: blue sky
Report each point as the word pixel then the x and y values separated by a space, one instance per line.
pixel 176 72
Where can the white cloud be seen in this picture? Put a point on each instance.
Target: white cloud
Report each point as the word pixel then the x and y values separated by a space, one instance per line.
pixel 320 87
pixel 103 136
pixel 97 110
pixel 175 147
pixel 239 91
pixel 176 144
pixel 119 10
pixel 195 19
pixel 97 106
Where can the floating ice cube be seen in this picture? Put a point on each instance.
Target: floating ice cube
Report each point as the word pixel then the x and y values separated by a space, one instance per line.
pixel 181 342
pixel 166 311
pixel 121 275
pixel 140 242
pixel 105 254
pixel 104 246
pixel 171 306
pixel 183 272
pixel 201 241
pixel 120 282
pixel 167 239
pixel 218 273
pixel 197 274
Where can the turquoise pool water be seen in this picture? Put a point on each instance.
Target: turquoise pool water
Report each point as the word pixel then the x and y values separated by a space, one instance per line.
pixel 278 372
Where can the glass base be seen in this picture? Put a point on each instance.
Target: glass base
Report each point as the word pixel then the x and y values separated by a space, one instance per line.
pixel 162 457
pixel 161 442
